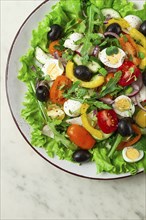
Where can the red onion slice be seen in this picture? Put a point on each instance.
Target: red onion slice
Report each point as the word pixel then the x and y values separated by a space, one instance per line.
pixel 112 34
pixel 56 56
pixel 77 52
pixel 111 70
pixel 94 112
pixel 95 51
pixel 108 101
pixel 62 60
pixel 137 85
pixel 138 103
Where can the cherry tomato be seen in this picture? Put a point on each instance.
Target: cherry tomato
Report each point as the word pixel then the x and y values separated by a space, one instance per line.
pixel 52 48
pixel 59 86
pixel 109 76
pixel 80 136
pixel 107 121
pixel 129 73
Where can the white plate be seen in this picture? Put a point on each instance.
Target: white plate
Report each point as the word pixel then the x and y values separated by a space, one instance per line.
pixel 16 89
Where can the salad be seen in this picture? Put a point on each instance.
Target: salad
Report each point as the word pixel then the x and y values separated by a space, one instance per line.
pixel 86 79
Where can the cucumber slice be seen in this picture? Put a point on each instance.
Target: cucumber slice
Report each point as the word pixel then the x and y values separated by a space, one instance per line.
pixel 92 65
pixel 41 56
pixel 77 59
pixel 110 13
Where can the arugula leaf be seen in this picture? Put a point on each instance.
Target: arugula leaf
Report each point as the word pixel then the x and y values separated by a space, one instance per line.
pixel 111 86
pixel 93 15
pixel 97 104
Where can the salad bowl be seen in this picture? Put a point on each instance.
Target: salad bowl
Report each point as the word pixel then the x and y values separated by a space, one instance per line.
pixel 15 88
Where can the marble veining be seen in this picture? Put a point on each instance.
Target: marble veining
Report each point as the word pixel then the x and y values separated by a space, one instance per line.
pixel 34 189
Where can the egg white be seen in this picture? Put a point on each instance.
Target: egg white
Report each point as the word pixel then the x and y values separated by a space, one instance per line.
pixel 72 108
pixel 133 20
pixel 53 68
pixel 70 42
pixel 103 58
pixel 126 113
pixel 128 159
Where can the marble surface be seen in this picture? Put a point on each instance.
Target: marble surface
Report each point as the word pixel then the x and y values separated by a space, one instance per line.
pixel 33 189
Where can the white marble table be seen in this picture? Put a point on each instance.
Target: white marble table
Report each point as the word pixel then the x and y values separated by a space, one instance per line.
pixel 34 189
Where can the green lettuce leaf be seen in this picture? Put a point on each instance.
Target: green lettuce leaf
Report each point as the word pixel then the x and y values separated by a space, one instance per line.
pixel 72 8
pixel 29 70
pixel 117 164
pixel 103 163
pixel 123 6
pixel 141 144
pixel 67 13
pixel 103 3
pixel 140 13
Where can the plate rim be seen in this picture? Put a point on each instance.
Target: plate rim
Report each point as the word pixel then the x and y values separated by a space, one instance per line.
pixel 17 124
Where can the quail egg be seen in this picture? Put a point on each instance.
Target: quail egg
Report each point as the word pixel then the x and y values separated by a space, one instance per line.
pixel 72 108
pixel 115 60
pixel 131 154
pixel 123 106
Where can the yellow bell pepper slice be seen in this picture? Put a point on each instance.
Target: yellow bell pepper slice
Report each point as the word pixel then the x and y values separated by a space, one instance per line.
pixel 143 61
pixel 143 64
pixel 141 49
pixel 136 35
pixel 121 21
pixel 95 81
pixel 94 132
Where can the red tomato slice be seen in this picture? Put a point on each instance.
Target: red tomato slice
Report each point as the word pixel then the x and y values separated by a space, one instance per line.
pixel 59 86
pixel 52 48
pixel 129 73
pixel 107 121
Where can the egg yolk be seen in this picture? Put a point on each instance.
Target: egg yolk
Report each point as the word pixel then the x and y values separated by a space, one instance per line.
pixel 122 104
pixel 132 153
pixel 113 59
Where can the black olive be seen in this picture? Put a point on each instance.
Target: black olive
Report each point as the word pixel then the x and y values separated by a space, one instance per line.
pixel 124 127
pixel 144 77
pixel 142 28
pixel 115 28
pixel 83 73
pixel 81 156
pixel 55 32
pixel 42 93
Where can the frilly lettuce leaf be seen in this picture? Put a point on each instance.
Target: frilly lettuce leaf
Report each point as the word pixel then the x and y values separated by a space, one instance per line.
pixel 102 3
pixel 117 164
pixel 72 8
pixel 140 13
pixel 61 14
pixel 124 7
pixel 103 163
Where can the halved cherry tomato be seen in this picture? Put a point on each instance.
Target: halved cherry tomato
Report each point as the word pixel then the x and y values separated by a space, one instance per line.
pixel 129 73
pixel 59 86
pixel 109 76
pixel 52 48
pixel 107 121
pixel 80 136
pixel 132 141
